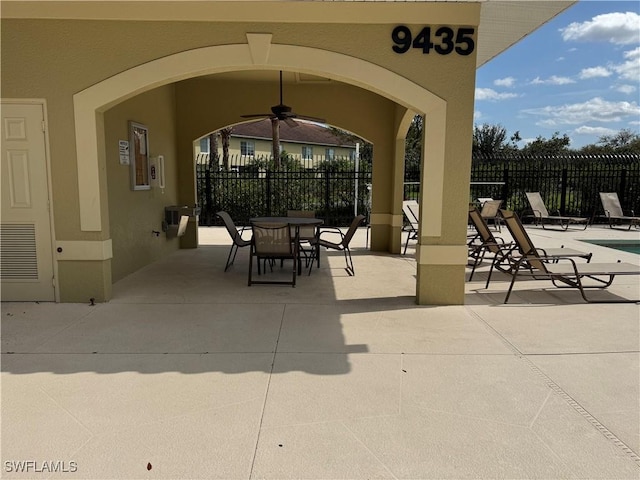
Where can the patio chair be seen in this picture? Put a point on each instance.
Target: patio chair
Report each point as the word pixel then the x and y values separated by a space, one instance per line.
pixel 410 209
pixel 306 233
pixel 272 241
pixel 342 245
pixel 542 216
pixel 564 272
pixel 491 212
pixel 484 242
pixel 236 238
pixel 614 213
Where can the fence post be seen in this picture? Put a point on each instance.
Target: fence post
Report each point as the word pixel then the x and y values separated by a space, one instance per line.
pixel 563 192
pixel 505 186
pixel 327 196
pixel 268 188
pixel 623 186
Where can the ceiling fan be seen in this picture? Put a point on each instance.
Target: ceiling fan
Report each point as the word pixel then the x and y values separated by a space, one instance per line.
pixel 282 112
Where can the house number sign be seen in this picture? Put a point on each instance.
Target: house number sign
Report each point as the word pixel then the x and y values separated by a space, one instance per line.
pixel 443 41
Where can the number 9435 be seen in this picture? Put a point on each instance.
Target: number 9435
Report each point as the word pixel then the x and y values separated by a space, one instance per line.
pixel 444 40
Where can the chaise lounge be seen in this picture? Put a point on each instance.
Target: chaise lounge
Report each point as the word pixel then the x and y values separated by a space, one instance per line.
pixel 541 214
pixel 563 272
pixel 614 213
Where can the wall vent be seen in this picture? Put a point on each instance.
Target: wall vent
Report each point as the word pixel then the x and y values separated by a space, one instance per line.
pixel 18 258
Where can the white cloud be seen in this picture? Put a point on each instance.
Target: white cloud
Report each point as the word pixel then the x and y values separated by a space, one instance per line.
pixel 505 82
pixel 477 115
pixel 594 110
pixel 552 80
pixel 594 131
pixel 490 94
pixel 560 59
pixel 618 28
pixel 594 72
pixel 628 89
pixel 629 70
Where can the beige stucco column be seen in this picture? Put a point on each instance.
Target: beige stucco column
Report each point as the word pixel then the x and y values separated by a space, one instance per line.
pixel 441 252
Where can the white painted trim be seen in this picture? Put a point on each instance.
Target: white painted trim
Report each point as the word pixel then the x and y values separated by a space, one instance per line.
pixel 84 250
pixel 91 102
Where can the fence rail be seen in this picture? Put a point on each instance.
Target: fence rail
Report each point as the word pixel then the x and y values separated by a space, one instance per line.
pixel 335 189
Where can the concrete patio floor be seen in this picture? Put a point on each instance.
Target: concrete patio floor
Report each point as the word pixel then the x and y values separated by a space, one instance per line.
pixel 189 373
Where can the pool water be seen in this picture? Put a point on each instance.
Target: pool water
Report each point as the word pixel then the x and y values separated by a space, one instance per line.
pixel 631 246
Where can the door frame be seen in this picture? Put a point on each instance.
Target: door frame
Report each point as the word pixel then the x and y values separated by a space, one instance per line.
pixel 47 154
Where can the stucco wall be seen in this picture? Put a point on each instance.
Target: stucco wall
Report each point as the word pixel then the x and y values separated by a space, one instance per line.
pixel 55 59
pixel 134 215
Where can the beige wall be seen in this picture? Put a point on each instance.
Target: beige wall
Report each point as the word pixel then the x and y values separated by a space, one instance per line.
pixel 89 52
pixel 134 215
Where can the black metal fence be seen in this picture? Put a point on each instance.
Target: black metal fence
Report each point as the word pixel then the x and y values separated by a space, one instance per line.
pixel 568 184
pixel 335 189
pixel 332 188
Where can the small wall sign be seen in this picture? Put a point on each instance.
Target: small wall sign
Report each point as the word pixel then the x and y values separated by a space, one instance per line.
pixel 123 150
pixel 443 41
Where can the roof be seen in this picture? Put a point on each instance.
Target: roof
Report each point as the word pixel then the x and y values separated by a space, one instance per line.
pixel 308 133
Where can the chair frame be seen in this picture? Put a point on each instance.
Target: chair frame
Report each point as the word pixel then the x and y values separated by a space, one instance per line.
pixel 484 242
pixel 260 254
pixel 541 214
pixel 342 245
pixel 563 271
pixel 411 210
pixel 236 237
pixel 614 213
pixel 302 233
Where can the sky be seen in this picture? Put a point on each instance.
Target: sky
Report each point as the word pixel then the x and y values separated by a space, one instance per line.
pixel 579 75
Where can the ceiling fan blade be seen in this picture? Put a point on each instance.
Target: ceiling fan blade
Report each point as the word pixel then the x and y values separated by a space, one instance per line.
pixel 291 122
pixel 255 115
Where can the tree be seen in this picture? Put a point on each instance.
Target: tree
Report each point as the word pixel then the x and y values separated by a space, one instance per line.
pixel 413 145
pixel 625 141
pixel 554 146
pixel 489 140
pixel 225 135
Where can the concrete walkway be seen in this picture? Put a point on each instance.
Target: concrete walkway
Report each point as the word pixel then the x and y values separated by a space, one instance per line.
pixel 189 373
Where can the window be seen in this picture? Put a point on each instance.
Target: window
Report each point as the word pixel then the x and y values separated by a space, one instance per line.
pixel 204 144
pixel 330 154
pixel 307 153
pixel 247 149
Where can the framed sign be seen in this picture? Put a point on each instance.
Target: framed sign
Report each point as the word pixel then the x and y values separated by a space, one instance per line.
pixel 139 156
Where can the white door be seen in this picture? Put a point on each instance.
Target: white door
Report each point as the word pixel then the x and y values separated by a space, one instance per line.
pixel 26 268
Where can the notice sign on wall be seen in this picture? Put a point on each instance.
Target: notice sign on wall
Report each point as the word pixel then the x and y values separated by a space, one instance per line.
pixel 123 149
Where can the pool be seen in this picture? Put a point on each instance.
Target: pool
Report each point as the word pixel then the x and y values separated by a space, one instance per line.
pixel 631 246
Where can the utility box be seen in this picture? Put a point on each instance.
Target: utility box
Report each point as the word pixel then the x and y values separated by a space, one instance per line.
pixel 176 218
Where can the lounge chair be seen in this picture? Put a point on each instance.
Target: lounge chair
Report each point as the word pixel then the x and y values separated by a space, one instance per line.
pixel 411 210
pixel 491 211
pixel 542 216
pixel 613 211
pixel 236 238
pixel 342 245
pixel 484 242
pixel 563 272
